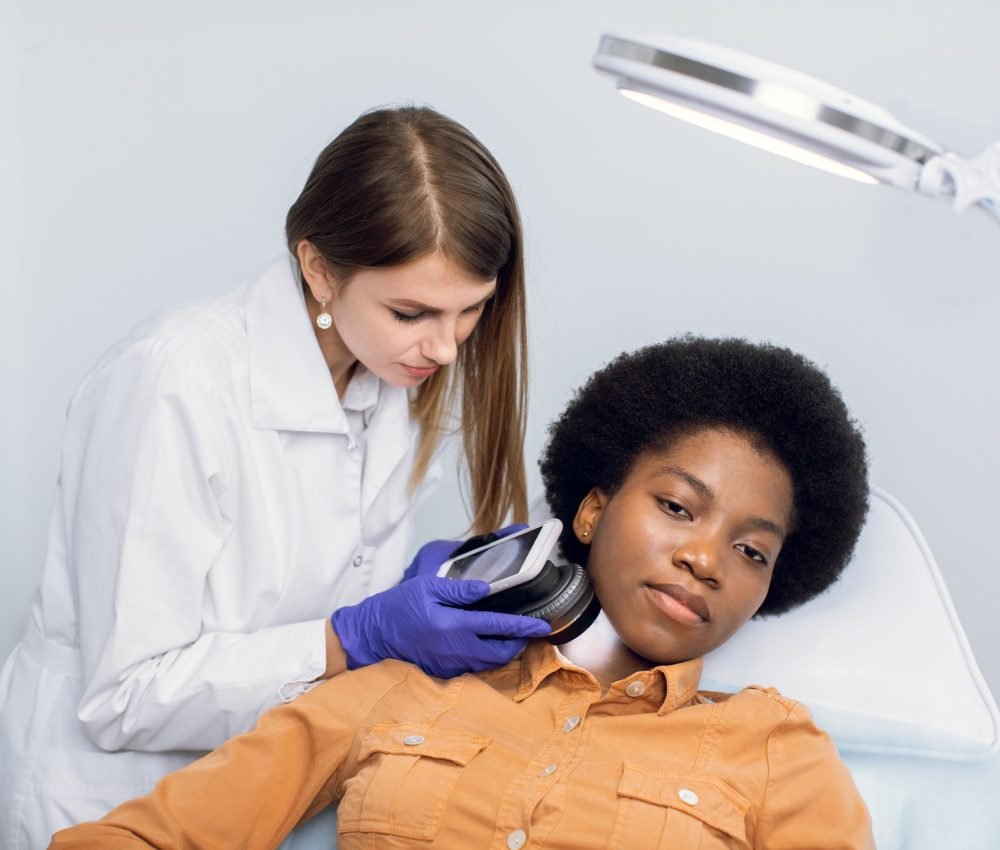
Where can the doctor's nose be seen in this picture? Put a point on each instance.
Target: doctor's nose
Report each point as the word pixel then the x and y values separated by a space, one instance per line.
pixel 701 558
pixel 441 345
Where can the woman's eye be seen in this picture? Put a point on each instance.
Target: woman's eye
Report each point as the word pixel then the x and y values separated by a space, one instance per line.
pixel 475 309
pixel 752 554
pixel 675 508
pixel 406 318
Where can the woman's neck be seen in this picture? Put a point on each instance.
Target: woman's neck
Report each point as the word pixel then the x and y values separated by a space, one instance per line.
pixel 600 651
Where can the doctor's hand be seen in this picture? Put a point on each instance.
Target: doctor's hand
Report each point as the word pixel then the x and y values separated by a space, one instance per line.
pixel 431 556
pixel 417 621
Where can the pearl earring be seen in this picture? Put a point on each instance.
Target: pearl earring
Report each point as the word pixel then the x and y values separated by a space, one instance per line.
pixel 324 319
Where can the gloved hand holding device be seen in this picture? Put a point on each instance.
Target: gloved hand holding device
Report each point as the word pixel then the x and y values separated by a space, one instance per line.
pixel 417 621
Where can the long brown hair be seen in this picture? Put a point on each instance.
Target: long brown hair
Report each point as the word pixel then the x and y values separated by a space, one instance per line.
pixel 396 185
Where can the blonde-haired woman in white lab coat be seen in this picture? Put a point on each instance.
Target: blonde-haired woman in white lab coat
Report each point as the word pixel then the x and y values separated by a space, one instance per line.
pixel 235 472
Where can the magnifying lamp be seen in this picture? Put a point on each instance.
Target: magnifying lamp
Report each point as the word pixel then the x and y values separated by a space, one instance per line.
pixel 794 115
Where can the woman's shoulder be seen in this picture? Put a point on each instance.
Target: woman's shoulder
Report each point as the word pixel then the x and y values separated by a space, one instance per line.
pixel 195 329
pixel 760 726
pixel 761 705
pixel 191 350
pixel 207 337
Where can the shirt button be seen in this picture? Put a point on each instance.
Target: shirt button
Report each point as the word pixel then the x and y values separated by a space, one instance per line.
pixel 571 724
pixel 357 561
pixel 515 841
pixel 688 796
pixel 413 740
pixel 635 689
pixel 548 771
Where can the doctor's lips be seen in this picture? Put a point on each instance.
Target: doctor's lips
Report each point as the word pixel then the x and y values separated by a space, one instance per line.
pixel 420 371
pixel 680 604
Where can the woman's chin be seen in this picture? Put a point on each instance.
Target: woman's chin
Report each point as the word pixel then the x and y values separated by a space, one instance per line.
pixel 658 647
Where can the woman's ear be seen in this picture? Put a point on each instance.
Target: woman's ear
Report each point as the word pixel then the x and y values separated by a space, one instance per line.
pixel 588 514
pixel 317 276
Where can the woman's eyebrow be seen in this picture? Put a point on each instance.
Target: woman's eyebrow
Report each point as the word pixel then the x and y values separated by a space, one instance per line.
pixel 708 494
pixel 767 525
pixel 410 304
pixel 696 483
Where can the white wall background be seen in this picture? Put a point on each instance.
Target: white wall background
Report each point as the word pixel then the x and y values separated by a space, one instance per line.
pixel 149 150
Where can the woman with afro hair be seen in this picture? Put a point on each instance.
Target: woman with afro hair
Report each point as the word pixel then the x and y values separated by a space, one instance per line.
pixel 646 400
pixel 700 482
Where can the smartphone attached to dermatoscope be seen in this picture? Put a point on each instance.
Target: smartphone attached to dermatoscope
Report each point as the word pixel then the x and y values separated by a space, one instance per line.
pixel 523 580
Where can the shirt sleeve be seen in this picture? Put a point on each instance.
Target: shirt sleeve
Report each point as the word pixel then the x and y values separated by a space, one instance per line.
pixel 144 481
pixel 252 791
pixel 810 799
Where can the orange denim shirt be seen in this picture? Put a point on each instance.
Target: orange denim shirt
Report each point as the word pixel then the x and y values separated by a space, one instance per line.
pixel 529 755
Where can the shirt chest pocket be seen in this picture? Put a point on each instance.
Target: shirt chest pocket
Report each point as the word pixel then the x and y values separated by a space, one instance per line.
pixel 405 777
pixel 678 811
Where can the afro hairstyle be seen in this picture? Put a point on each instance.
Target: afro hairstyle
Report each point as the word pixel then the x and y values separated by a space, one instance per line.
pixel 646 400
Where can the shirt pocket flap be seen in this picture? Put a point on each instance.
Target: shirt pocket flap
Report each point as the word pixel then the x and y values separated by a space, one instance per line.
pixel 706 798
pixel 410 739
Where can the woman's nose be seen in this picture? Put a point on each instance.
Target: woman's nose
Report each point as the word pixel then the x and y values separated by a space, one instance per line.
pixel 700 556
pixel 441 345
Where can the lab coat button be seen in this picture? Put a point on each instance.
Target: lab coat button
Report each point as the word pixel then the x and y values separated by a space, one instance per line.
pixel 571 724
pixel 358 561
pixel 688 796
pixel 515 841
pixel 413 740
pixel 635 689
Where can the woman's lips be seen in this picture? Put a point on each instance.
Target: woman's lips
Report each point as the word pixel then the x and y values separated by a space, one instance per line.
pixel 419 371
pixel 680 604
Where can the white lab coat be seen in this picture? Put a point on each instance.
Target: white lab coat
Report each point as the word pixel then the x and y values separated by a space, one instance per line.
pixel 213 508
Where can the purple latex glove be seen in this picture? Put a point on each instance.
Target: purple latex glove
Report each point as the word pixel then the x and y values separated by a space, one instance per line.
pixel 431 556
pixel 416 621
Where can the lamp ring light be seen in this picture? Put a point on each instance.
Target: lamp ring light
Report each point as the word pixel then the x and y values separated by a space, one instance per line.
pixel 775 108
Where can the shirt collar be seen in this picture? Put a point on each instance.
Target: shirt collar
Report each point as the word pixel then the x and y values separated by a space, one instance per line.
pixel 669 686
pixel 362 391
pixel 290 385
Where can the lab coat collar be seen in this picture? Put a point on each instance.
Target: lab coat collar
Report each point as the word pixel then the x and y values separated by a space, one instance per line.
pixel 290 385
pixel 362 391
